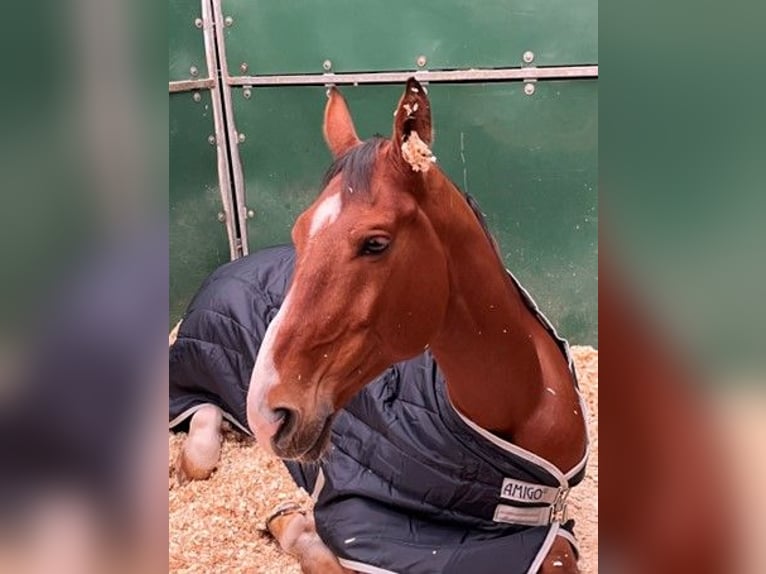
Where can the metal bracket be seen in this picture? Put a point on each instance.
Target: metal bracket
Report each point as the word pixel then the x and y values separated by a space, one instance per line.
pixel 529 86
pixel 527 63
pixel 559 507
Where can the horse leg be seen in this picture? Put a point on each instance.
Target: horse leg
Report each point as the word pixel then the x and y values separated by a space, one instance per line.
pixel 202 447
pixel 561 558
pixel 295 531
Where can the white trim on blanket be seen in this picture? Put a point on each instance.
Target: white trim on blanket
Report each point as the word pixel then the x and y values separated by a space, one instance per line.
pixel 184 415
pixel 190 411
pixel 570 360
pixel 544 549
pixel 361 567
pixel 318 485
pixel 513 449
pixel 564 533
pixel 562 477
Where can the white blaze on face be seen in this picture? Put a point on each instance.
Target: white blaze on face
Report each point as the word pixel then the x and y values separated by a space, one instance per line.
pixel 325 213
pixel 261 418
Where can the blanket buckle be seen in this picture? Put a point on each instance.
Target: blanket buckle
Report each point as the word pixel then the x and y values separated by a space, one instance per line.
pixel 559 507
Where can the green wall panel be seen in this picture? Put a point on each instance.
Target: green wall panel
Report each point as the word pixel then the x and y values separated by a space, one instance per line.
pixel 294 36
pixel 531 162
pixel 186 44
pixel 198 242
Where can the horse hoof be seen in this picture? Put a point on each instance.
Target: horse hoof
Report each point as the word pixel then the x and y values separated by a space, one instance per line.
pixel 186 470
pixel 278 518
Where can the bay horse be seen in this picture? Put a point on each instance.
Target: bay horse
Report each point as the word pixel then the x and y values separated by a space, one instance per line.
pixel 391 260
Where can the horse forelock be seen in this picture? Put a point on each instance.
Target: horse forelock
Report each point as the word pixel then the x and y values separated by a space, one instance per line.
pixel 356 167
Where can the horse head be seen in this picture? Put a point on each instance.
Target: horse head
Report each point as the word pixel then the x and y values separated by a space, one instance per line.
pixel 370 286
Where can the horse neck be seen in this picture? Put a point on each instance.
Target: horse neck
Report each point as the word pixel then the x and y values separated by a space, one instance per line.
pixel 503 369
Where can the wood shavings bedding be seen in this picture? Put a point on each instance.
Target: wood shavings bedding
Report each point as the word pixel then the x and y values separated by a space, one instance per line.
pixel 217 525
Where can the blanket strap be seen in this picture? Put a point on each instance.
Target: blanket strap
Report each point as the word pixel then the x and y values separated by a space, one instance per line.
pixel 555 512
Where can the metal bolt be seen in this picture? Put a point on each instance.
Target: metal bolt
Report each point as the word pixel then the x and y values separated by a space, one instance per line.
pixel 211 139
pixel 529 88
pixel 221 216
pixel 241 138
pixel 243 67
pixel 250 213
pixel 327 65
pixel 422 61
pixel 228 20
pixel 196 96
pixel 528 56
pixel 198 22
pixel 247 92
pixel 194 71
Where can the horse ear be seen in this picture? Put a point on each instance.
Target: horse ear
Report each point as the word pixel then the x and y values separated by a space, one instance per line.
pixel 413 133
pixel 339 132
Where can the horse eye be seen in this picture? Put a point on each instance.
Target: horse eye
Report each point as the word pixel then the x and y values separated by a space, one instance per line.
pixel 375 245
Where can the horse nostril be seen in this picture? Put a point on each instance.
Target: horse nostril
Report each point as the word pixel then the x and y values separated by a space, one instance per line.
pixel 287 418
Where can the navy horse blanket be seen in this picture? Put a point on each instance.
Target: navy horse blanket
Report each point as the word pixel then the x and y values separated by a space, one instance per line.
pixel 409 485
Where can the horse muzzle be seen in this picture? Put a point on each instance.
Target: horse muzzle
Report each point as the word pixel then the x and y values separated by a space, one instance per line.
pixel 288 434
pixel 299 438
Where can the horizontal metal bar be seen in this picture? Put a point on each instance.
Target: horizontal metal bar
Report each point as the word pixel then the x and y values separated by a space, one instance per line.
pixel 188 85
pixel 473 75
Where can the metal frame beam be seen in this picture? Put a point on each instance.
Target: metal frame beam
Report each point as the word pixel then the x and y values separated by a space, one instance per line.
pixel 190 85
pixel 473 75
pixel 220 83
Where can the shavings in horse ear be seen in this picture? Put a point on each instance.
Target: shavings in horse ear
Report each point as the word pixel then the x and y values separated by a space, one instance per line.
pixel 410 109
pixel 416 153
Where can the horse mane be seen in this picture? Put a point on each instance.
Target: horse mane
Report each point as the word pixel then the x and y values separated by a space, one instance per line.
pixel 356 166
pixel 473 204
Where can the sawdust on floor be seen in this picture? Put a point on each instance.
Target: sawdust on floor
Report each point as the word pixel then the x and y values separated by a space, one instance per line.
pixel 217 525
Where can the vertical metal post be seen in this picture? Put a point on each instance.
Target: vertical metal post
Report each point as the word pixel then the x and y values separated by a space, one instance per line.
pixel 239 197
pixel 224 180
